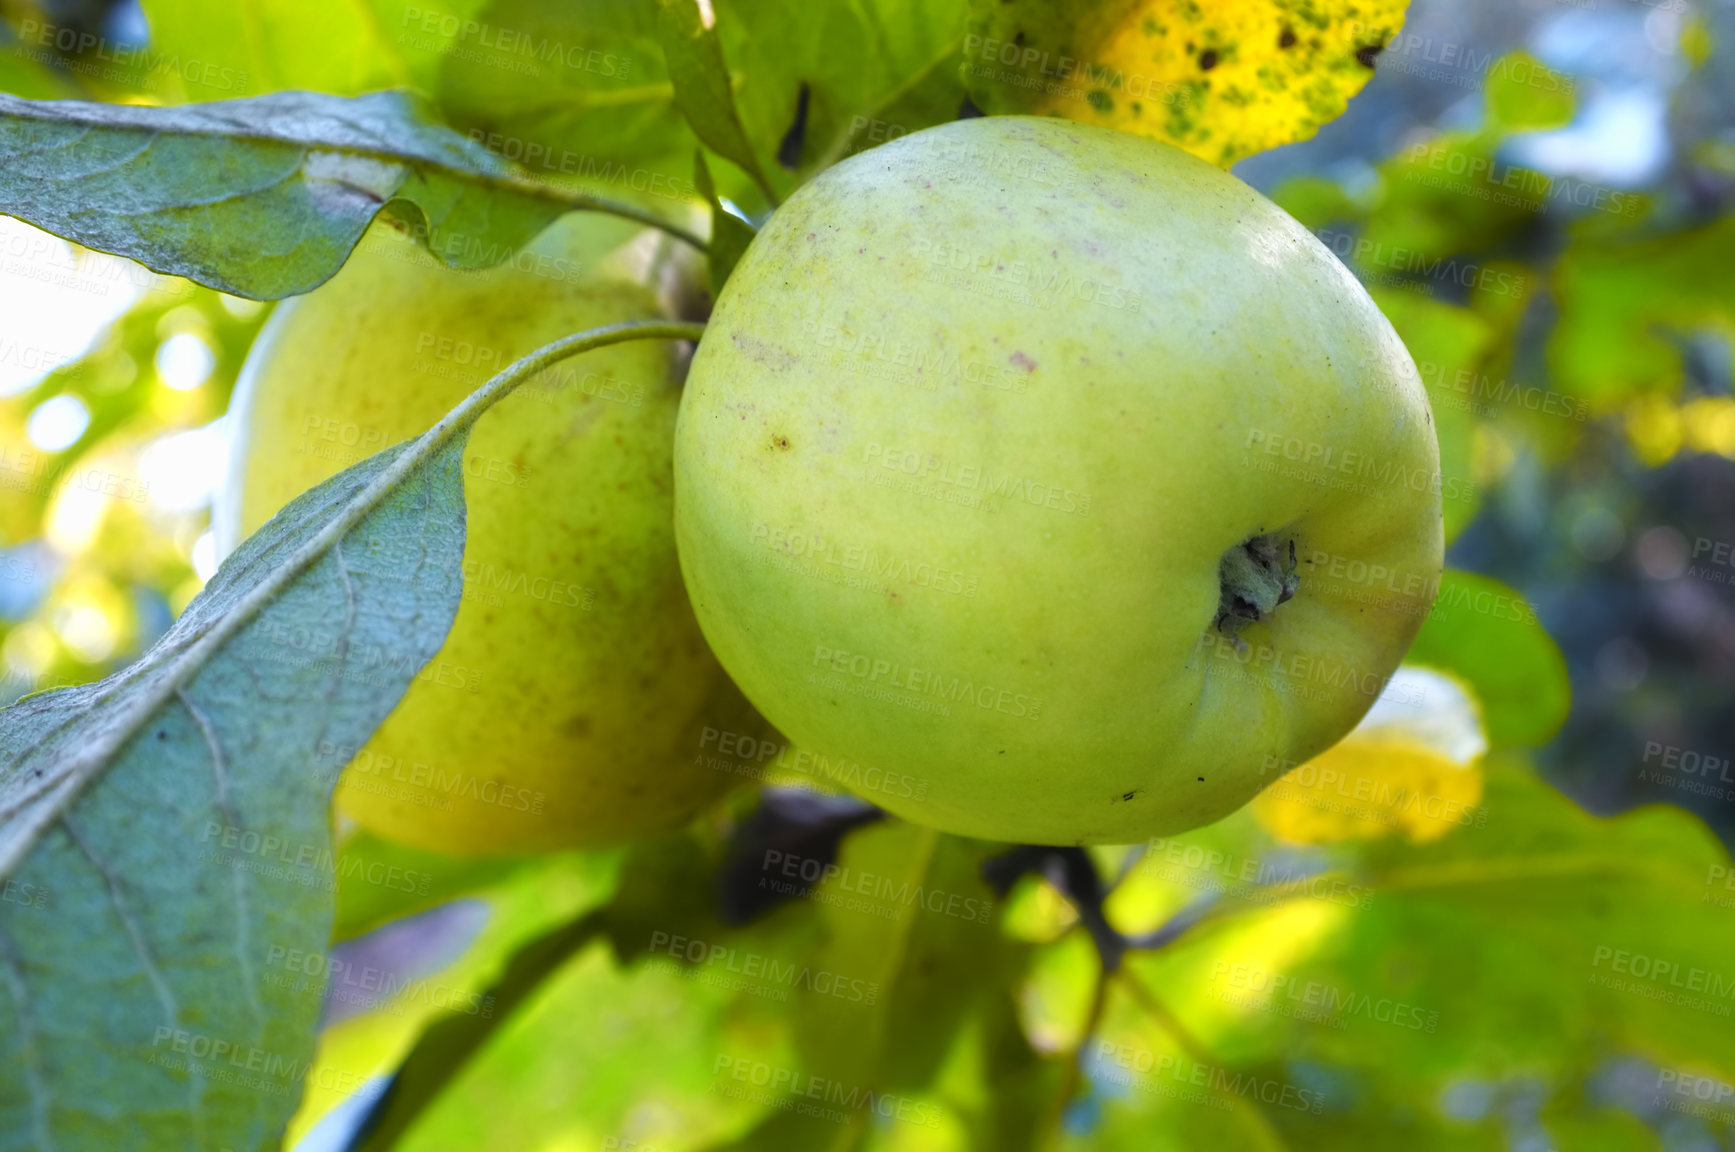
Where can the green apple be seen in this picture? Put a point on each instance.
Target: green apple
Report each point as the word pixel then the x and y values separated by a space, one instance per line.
pixel 569 703
pixel 1059 472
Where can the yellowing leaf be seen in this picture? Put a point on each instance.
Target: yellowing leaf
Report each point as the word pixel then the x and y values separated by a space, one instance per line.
pixel 1412 768
pixel 1658 428
pixel 1708 424
pixel 1223 80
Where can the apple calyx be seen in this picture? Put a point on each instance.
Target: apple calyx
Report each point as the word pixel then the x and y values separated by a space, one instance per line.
pixel 1254 576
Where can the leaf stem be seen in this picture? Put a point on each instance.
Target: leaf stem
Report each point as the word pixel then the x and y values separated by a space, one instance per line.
pixel 65 783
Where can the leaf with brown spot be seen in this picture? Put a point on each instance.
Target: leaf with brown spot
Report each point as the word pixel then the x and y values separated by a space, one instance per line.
pixel 1222 81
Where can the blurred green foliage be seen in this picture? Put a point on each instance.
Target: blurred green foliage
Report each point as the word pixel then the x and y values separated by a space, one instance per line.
pixel 104 563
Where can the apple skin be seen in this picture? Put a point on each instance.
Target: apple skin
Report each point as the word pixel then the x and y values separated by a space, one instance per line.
pixel 569 701
pixel 975 424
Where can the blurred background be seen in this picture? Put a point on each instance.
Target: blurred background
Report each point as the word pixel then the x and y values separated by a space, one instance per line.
pixel 1540 195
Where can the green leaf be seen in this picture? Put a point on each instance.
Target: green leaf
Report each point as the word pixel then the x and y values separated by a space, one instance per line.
pixel 871 71
pixel 890 981
pixel 730 234
pixel 26 64
pixel 1626 302
pixel 262 198
pixel 1489 636
pixel 1448 195
pixel 1448 344
pixel 670 990
pixel 447 1045
pixel 1525 95
pixel 1550 894
pixel 1590 939
pixel 176 826
pixel 939 1046
pixel 201 52
pixel 375 1017
pixel 572 91
pixel 703 91
pixel 1223 81
pixel 578 1055
pixel 1315 201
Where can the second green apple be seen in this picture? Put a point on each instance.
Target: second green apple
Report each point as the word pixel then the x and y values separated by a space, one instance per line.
pixel 573 696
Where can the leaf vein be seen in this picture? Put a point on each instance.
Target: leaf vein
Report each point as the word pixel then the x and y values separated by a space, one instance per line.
pixel 238 876
pixel 13 972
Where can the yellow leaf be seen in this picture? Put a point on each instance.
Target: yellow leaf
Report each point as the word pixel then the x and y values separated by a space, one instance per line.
pixel 1411 768
pixel 1223 80
pixel 1697 42
pixel 1708 424
pixel 1654 427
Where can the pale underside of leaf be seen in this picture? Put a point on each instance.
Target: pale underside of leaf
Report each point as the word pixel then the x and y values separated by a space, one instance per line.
pixel 262 198
pixel 135 1011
